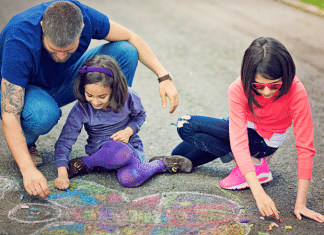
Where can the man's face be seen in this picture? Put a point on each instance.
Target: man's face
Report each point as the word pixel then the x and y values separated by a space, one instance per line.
pixel 60 55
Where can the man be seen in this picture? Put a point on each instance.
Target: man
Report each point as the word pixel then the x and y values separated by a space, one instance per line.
pixel 41 50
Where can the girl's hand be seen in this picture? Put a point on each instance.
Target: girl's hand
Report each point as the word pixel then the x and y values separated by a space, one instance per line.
pixel 123 135
pixel 264 202
pixel 302 210
pixel 300 206
pixel 266 206
pixel 62 182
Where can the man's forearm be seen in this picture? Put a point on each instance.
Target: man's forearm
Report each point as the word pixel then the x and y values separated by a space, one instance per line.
pixel 147 57
pixel 12 104
pixel 17 143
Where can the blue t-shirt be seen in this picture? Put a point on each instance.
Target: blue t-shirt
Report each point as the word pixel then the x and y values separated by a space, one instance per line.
pixel 24 60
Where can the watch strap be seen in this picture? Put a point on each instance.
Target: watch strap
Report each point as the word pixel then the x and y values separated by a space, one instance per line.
pixel 165 77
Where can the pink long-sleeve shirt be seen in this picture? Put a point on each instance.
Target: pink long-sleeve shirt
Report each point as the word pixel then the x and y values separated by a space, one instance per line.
pixel 274 117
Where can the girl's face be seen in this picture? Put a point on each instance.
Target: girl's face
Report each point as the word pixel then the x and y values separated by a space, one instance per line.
pixel 266 92
pixel 97 95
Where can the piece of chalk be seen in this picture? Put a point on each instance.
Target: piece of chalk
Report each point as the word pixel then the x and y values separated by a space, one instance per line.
pixel 24 206
pixel 241 207
pixel 274 224
pixel 21 197
pixel 261 217
pixel 280 220
pixel 263 233
pixel 288 227
pixel 251 225
pixel 244 220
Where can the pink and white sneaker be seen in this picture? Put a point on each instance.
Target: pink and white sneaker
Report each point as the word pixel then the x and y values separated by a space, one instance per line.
pixel 235 179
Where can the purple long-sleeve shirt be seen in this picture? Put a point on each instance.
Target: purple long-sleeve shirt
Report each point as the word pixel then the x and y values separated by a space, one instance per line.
pixel 100 125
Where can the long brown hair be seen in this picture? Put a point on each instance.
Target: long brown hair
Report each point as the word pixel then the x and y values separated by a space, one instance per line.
pixel 270 59
pixel 117 83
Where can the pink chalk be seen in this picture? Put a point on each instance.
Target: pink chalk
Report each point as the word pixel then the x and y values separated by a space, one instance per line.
pixel 274 224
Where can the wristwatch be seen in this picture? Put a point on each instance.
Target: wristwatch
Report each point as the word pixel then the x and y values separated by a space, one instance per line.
pixel 165 77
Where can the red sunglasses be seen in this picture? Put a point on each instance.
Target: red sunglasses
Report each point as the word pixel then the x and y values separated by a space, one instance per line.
pixel 271 86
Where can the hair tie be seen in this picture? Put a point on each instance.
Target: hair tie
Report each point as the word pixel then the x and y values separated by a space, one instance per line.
pixel 85 69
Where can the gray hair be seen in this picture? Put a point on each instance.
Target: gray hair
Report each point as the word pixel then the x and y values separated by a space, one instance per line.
pixel 62 23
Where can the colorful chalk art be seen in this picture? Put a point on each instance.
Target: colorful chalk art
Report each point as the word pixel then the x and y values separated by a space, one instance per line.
pixel 89 208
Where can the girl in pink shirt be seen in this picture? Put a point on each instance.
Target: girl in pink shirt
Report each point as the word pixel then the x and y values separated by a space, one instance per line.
pixel 263 103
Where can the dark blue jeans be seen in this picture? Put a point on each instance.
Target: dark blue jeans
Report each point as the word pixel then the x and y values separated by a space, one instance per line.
pixel 42 107
pixel 206 139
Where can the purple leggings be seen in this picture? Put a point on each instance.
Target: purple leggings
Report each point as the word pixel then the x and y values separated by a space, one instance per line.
pixel 117 155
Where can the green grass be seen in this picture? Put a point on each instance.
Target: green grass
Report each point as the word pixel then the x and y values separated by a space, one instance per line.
pixel 319 3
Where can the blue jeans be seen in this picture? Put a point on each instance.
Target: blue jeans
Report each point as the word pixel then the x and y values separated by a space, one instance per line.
pixel 206 139
pixel 42 111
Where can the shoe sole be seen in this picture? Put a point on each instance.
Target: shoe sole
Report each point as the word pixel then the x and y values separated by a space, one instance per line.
pixel 185 165
pixel 263 178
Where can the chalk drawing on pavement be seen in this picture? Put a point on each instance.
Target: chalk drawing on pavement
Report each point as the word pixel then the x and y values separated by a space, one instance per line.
pixel 34 213
pixel 7 184
pixel 90 208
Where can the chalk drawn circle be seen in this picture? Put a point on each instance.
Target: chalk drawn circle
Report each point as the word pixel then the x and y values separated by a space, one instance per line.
pixel 35 213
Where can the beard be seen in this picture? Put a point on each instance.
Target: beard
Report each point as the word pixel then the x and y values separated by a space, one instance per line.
pixel 58 60
pixel 54 57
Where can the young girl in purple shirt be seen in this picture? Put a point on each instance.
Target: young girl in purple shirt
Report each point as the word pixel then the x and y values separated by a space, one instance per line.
pixel 112 114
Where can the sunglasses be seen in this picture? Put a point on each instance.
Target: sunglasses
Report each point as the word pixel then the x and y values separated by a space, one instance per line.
pixel 271 86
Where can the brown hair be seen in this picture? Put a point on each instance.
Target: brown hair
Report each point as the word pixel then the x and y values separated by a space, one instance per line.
pixel 117 83
pixel 270 59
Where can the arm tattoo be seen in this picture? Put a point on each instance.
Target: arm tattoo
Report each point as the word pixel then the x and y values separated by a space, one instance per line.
pixel 12 98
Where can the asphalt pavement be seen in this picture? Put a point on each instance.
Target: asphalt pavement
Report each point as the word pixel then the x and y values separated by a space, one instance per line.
pixel 201 42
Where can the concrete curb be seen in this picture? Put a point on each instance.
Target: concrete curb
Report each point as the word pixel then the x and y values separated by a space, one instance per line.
pixel 304 6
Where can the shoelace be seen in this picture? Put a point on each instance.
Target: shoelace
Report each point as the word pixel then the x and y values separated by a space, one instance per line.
pixel 77 166
pixel 175 167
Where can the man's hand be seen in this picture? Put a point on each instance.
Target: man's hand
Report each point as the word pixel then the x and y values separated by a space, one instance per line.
pixel 118 32
pixel 123 135
pixel 167 89
pixel 35 183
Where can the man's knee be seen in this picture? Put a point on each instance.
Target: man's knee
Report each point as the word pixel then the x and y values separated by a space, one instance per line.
pixel 41 117
pixel 119 50
pixel 126 56
pixel 127 49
